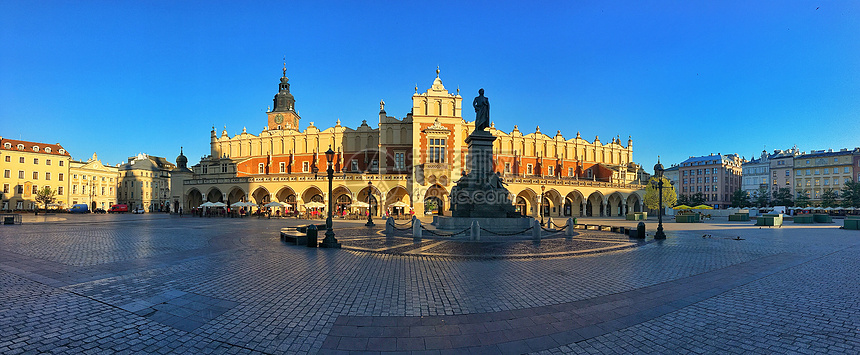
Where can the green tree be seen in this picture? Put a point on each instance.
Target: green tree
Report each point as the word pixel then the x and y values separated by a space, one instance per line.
pixel 45 196
pixel 761 197
pixel 670 197
pixel 829 198
pixel 851 194
pixel 782 197
pixel 683 200
pixel 697 198
pixel 802 199
pixel 740 198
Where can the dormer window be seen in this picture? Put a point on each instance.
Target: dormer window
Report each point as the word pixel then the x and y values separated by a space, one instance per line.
pixel 35 148
pixel 20 147
pixel 62 151
pixel 47 149
pixel 7 145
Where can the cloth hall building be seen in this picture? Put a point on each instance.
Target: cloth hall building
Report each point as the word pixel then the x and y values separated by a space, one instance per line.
pixel 407 163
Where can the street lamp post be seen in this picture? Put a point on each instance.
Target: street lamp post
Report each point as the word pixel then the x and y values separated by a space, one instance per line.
pixel 369 196
pixel 330 241
pixel 658 171
pixel 540 208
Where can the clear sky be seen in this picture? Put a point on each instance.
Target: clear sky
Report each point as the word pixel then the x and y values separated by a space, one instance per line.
pixel 681 77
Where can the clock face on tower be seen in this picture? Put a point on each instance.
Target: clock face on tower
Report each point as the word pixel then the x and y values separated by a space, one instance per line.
pixel 279 118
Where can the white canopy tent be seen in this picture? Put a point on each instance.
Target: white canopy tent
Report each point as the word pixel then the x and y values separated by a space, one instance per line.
pixel 314 204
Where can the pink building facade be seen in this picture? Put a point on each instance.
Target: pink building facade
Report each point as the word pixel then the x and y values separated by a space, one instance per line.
pixel 716 176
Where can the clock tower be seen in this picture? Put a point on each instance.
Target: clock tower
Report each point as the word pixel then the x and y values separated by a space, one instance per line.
pixel 283 115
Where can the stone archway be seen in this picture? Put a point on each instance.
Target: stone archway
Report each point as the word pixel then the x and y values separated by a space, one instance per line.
pixel 342 199
pixel 287 196
pixel 634 203
pixel 594 205
pixel 573 204
pixel 521 206
pixel 436 200
pixel 397 195
pixel 369 194
pixel 614 205
pixel 552 203
pixel 236 194
pixel 529 197
pixel 261 196
pixel 215 195
pixel 193 200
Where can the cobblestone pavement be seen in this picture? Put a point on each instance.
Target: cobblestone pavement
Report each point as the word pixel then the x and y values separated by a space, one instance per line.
pixel 163 284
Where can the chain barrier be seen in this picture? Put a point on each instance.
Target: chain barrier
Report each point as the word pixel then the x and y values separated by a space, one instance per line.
pixel 560 229
pixel 507 234
pixel 444 234
pixel 402 224
pixel 401 229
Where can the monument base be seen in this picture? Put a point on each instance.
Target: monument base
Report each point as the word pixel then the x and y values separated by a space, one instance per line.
pixel 502 225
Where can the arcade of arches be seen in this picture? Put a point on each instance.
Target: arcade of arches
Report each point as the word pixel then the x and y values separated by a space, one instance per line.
pixel 559 198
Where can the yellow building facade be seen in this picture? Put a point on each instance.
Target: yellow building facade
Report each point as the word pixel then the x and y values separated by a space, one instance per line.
pixel 407 163
pixel 144 182
pixel 28 167
pixel 818 171
pixel 93 183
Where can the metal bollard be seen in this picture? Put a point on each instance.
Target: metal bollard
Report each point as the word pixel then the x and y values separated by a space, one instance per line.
pixel 389 227
pixel 571 222
pixel 312 236
pixel 640 230
pixel 476 231
pixel 536 230
pixel 416 231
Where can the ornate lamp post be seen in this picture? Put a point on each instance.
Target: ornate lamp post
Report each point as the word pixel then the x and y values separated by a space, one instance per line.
pixel 658 171
pixel 329 241
pixel 369 196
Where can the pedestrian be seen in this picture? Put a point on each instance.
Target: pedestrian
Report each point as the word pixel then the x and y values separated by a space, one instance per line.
pixel 180 212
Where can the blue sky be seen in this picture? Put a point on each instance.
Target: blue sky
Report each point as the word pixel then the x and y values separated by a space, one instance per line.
pixel 682 77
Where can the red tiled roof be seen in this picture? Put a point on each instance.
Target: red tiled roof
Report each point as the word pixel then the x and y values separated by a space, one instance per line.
pixel 28 146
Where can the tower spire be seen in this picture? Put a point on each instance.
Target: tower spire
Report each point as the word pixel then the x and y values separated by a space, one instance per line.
pixel 285 66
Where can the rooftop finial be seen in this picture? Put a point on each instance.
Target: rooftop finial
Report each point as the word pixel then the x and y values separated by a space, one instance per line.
pixel 437 71
pixel 285 66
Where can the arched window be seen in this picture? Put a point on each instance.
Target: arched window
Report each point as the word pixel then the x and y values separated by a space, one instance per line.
pixel 47 149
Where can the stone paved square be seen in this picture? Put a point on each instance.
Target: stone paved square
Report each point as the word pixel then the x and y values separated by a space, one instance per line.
pixel 164 284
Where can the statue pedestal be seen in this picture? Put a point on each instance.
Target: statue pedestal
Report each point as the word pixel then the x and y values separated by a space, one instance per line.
pixel 480 193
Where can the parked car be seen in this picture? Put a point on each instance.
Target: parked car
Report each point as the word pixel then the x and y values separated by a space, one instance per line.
pixel 118 208
pixel 138 210
pixel 79 208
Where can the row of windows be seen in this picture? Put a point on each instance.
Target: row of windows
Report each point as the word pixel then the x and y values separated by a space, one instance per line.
pixel 147 183
pixel 817 182
pixel 8 174
pixel 95 190
pixel 698 180
pixel 799 172
pixel 699 188
pixel 35 160
pixel 84 177
pixel 700 171
pixel 19 189
pixel 36 148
